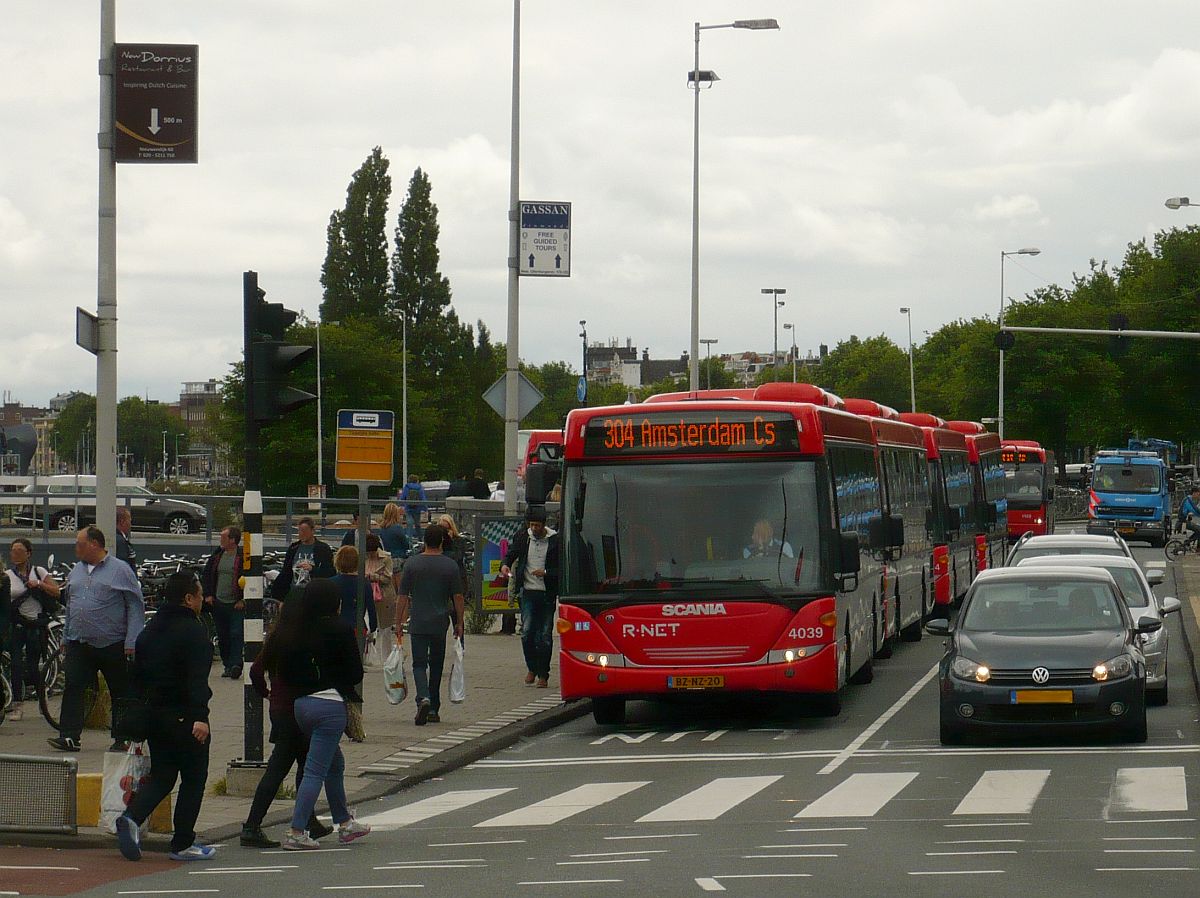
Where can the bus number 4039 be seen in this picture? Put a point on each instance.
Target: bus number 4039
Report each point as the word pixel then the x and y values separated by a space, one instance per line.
pixel 806 633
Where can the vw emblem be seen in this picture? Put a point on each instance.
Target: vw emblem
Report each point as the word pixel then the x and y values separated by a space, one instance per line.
pixel 1041 676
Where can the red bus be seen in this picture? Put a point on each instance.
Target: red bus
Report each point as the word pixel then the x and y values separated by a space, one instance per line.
pixel 733 545
pixel 989 498
pixel 950 478
pixel 1029 480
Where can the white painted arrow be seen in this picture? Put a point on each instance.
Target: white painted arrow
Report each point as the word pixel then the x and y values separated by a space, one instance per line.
pixel 154 128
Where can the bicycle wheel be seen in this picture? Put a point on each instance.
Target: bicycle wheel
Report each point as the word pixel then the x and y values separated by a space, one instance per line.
pixel 51 706
pixel 1175 549
pixel 5 696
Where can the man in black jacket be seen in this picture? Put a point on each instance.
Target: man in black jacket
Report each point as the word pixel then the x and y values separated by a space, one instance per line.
pixel 171 663
pixel 533 560
pixel 125 550
pixel 307 559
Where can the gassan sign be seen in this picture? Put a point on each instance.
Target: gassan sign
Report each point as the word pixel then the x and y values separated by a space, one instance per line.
pixel 545 249
pixel 154 102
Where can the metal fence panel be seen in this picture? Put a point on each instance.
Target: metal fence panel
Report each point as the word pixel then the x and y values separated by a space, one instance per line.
pixel 38 794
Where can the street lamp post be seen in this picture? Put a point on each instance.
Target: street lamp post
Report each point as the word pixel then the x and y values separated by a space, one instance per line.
pixel 912 380
pixel 708 342
pixel 695 78
pixel 776 292
pixel 177 456
pixel 164 460
pixel 789 327
pixel 1026 251
pixel 583 336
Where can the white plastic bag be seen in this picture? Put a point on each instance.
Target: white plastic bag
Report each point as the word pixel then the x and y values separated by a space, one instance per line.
pixel 458 678
pixel 371 650
pixel 124 774
pixel 395 683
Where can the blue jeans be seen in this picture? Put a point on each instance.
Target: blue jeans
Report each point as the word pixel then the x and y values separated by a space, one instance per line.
pixel 230 633
pixel 537 631
pixel 323 721
pixel 428 660
pixel 414 524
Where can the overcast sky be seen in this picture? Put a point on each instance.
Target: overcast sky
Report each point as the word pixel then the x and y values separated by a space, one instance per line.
pixel 869 155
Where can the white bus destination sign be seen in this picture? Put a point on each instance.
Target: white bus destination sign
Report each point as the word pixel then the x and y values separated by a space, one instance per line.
pixel 545 240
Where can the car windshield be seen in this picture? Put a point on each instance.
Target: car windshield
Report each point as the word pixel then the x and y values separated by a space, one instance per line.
pixel 1042 605
pixel 752 527
pixel 1117 478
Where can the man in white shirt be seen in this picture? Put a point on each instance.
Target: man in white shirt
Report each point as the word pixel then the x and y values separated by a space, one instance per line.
pixel 533 559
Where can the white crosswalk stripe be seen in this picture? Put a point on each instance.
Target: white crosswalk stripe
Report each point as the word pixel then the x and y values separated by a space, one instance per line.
pixel 860 795
pixel 429 807
pixel 567 804
pixel 711 800
pixel 1004 792
pixel 1148 789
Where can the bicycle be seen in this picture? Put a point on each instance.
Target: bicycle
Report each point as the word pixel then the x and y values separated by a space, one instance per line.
pixel 1178 546
pixel 6 693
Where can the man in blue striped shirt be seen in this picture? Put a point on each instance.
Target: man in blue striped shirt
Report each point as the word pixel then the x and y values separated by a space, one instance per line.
pixel 105 614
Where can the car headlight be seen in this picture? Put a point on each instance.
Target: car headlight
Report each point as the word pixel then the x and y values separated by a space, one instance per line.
pixel 1113 668
pixel 966 669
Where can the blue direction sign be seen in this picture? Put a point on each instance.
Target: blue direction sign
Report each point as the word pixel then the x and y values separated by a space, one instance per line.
pixel 545 240
pixel 581 390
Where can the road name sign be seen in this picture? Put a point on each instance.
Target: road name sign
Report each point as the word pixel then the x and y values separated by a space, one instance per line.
pixel 366 441
pixel 545 240
pixel 154 105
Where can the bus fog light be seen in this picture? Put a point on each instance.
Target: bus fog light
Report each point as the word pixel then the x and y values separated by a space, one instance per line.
pixel 789 656
pixel 604 660
pixel 1116 709
pixel 966 710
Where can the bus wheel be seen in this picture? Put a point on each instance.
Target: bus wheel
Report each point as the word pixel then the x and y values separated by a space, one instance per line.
pixel 864 674
pixel 888 645
pixel 911 633
pixel 608 711
pixel 828 704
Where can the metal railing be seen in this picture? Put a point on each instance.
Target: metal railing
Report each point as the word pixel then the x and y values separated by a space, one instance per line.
pixel 39 794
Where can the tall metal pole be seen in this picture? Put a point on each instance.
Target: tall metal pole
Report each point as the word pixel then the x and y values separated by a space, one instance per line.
pixel 694 362
pixel 404 398
pixel 513 359
pixel 912 379
pixel 775 349
pixel 1000 414
pixel 106 285
pixel 320 428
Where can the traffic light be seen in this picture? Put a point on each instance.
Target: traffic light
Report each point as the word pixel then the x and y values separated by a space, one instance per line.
pixel 268 358
pixel 1118 346
pixel 1005 340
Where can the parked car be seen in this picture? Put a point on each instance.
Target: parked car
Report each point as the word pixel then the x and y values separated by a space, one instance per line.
pixel 1137 588
pixel 148 510
pixel 1037 648
pixel 1030 546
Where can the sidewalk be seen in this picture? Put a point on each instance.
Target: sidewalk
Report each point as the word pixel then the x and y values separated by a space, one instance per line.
pixel 499 710
pixel 1187 579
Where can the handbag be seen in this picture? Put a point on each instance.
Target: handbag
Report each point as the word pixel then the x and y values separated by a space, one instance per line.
pixel 124 773
pixel 395 682
pixel 354 722
pixel 458 676
pixel 377 592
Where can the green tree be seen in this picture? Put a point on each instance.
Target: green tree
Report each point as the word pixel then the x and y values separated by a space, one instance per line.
pixel 355 273
pixel 76 419
pixel 875 368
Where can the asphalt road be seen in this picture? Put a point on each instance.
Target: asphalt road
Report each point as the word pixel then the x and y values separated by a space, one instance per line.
pixel 750 800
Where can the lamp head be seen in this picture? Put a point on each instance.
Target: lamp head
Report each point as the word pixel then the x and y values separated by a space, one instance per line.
pixel 905 310
pixel 1028 251
pixel 757 24
pixel 1177 202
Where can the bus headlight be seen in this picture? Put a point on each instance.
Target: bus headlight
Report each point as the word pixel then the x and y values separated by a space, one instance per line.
pixel 600 659
pixel 792 655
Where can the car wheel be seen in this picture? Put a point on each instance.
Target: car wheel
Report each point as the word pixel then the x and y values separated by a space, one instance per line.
pixel 65 522
pixel 950 733
pixel 1134 729
pixel 608 711
pixel 178 523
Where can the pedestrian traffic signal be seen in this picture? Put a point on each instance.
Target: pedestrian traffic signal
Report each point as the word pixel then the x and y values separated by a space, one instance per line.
pixel 268 358
pixel 1005 340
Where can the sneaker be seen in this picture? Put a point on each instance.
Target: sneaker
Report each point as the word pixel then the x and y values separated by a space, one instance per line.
pixel 128 838
pixel 235 673
pixel 529 678
pixel 319 830
pixel 14 711
pixel 254 837
pixel 299 842
pixel 351 830
pixel 543 682
pixel 195 852
pixel 433 717
pixel 64 743
pixel 224 673
pixel 422 712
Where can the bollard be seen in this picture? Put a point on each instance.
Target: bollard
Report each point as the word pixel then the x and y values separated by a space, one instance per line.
pixel 252 628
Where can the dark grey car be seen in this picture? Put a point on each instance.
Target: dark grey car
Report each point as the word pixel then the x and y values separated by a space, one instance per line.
pixel 148 510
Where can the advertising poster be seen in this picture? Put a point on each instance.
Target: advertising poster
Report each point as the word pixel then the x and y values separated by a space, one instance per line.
pixel 492 539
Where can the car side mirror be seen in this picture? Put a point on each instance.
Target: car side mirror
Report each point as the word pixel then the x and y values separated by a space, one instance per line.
pixel 1171 605
pixel 1149 625
pixel 938 626
pixel 849 562
pixel 1155 576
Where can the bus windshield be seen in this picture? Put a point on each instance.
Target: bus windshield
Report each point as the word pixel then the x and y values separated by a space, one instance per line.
pixel 1024 481
pixel 734 528
pixel 1109 478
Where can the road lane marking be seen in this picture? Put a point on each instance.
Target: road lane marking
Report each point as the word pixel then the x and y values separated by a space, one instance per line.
pixel 154 892
pixel 567 804
pixel 1146 869
pixel 714 736
pixel 1149 850
pixel 848 752
pixel 860 795
pixel 967 853
pixel 813 845
pixel 615 853
pixel 711 800
pixel 760 857
pixel 1148 789
pixel 565 882
pixel 1149 838
pixel 658 836
pixel 1004 792
pixel 611 860
pixel 711 884
pixel 982 842
pixel 16 867
pixel 351 888
pixel 951 872
pixel 473 844
pixel 397 867
pixel 825 829
pixel 290 853
pixel 1157 820
pixel 429 807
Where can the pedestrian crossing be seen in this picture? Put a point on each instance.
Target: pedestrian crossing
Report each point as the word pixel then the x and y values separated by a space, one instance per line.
pixel 1009 794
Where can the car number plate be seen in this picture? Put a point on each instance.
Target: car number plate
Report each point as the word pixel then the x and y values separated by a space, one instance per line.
pixel 695 682
pixel 1041 697
pixel 1126 529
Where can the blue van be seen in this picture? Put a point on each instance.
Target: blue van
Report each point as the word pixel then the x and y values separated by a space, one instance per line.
pixel 1129 495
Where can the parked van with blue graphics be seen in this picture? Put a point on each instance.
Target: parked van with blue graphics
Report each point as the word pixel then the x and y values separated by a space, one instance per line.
pixel 1129 495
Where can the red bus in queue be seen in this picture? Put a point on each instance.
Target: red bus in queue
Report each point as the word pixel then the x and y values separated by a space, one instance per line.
pixel 989 499
pixel 730 545
pixel 949 515
pixel 907 589
pixel 1029 482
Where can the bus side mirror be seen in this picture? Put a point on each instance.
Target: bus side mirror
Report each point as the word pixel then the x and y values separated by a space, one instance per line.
pixel 895 531
pixel 953 518
pixel 539 481
pixel 848 562
pixel 1050 493
pixel 876 534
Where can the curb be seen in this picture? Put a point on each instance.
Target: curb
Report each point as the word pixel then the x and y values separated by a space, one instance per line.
pixel 1187 616
pixel 382 785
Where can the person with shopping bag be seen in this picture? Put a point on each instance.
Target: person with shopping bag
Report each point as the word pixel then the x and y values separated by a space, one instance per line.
pixel 171 662
pixel 431 590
